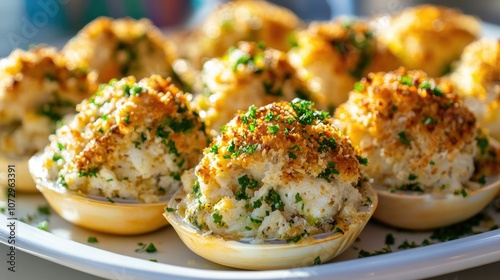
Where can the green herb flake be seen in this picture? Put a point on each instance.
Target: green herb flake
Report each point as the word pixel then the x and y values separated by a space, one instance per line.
pixel 168 209
pixel 218 219
pixel 110 199
pixel 89 173
pixel 292 155
pixel 60 146
pixel 256 221
pixel 362 160
pixel 273 129
pixel 92 239
pixel 328 172
pixel 428 120
pixel 406 80
pixel 403 138
pixel 482 180
pixel 274 200
pixel 298 198
pixel 358 87
pixel 43 225
pixel 412 177
pixel 482 143
pixel 153 260
pixel 317 260
pixel 43 209
pixel 257 204
pixel 214 149
pixel 269 116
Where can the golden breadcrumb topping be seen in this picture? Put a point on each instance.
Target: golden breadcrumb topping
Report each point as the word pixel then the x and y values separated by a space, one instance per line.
pixel 258 21
pixel 477 79
pixel 245 75
pixel 331 56
pixel 278 171
pixel 414 128
pixel 116 48
pixel 36 91
pixel 131 139
pixel 428 37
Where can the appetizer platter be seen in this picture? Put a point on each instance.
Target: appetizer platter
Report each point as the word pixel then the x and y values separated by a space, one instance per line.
pixel 347 148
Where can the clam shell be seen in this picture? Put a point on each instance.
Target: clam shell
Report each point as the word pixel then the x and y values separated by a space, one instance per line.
pixel 123 217
pixel 272 254
pixel 428 211
pixel 24 182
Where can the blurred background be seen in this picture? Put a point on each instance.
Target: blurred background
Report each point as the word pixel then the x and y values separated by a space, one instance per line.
pixel 24 23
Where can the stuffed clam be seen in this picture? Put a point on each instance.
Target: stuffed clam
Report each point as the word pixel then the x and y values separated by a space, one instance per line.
pixel 37 91
pixel 113 166
pixel 422 142
pixel 279 187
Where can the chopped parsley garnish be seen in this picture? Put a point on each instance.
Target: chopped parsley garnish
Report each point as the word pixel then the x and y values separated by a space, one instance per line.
pixel 60 146
pixel 317 260
pixel 273 129
pixel 104 117
pixel 482 180
pixel 153 260
pixel 269 116
pixel 127 118
pixel 296 238
pixel 92 239
pixel 176 175
pixel 406 80
pixel 328 172
pixel 428 120
pixel 338 230
pixel 412 177
pixel 218 219
pixel 274 200
pixel 242 60
pixel 62 181
pixel 248 116
pixel 292 155
pixel 403 138
pixel 110 199
pixel 214 149
pixel 434 89
pixel 305 113
pixel 482 143
pixel 268 88
pixel 463 192
pixel 168 209
pixel 257 204
pixel 184 126
pixel 56 157
pixel 412 187
pixel 89 173
pixel 362 160
pixel 43 225
pixel 246 182
pixel 256 221
pixel 149 248
pixel 43 210
pixel 326 144
pixel 394 107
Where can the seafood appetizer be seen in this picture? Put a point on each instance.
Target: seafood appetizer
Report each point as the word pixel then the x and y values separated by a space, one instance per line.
pixel 331 56
pixel 477 79
pixel 427 37
pixel 257 21
pixel 115 163
pixel 36 91
pixel 118 48
pixel 280 184
pixel 422 142
pixel 247 74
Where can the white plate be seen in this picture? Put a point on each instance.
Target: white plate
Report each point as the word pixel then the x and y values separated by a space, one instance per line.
pixel 115 257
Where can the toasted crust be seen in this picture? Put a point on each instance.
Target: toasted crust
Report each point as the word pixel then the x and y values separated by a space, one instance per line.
pixel 246 75
pixel 428 37
pixel 132 139
pixel 116 48
pixel 408 123
pixel 257 21
pixel 477 79
pixel 331 56
pixel 36 90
